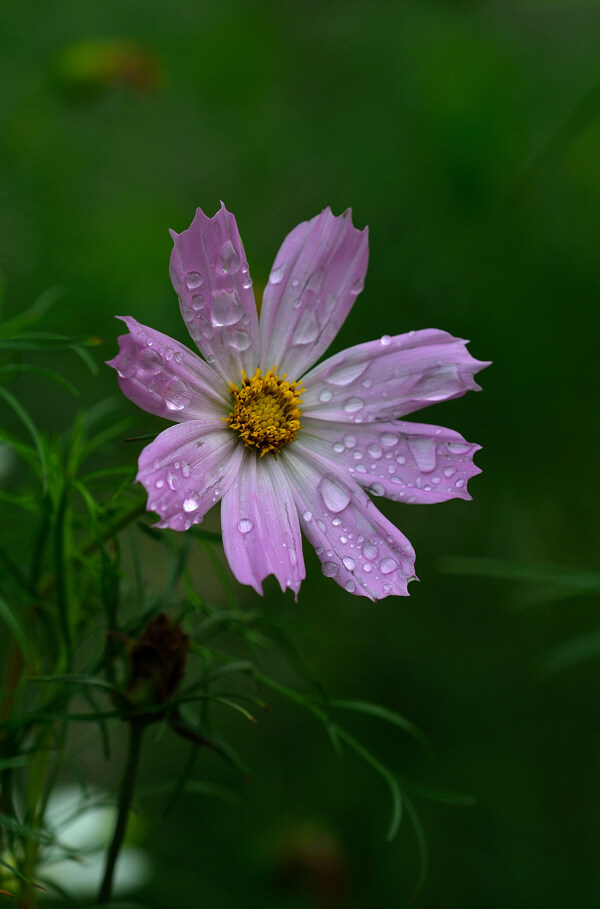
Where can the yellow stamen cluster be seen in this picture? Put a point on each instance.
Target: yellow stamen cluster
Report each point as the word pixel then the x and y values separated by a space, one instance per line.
pixel 266 411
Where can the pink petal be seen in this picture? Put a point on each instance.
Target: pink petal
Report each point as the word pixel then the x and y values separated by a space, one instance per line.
pixel 210 275
pixel 187 469
pixel 163 377
pixel 385 379
pixel 407 462
pixel 261 533
pixel 315 279
pixel 358 547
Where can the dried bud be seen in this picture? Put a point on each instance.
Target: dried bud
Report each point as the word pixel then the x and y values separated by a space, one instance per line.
pixel 157 662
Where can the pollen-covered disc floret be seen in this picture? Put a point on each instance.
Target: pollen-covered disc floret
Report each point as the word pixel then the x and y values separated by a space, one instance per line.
pixel 266 411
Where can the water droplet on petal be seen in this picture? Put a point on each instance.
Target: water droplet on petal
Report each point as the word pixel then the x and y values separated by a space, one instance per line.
pixel 389 439
pixel 227 308
pixel 325 396
pixel 349 563
pixel 374 450
pixel 329 569
pixel 193 279
pixel 387 566
pixel 247 282
pixel 191 502
pixel 176 395
pixel 276 275
pixel 376 489
pixel 353 405
pixel 385 341
pixel 339 447
pixel 245 525
pixel 334 495
pixel 238 340
pixel 424 453
pixel 151 360
pixel 168 353
pixel 307 329
pixel 357 287
pixel 197 302
pixel 458 448
pixel 315 281
pixel 293 556
pixel 449 472
pixel 350 441
pixel 229 261
pixel 350 586
pixel 459 484
pixel 370 551
pixel 344 375
pixel 172 480
pixel 307 515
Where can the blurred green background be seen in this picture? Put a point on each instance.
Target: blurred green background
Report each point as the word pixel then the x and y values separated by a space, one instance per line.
pixel 465 135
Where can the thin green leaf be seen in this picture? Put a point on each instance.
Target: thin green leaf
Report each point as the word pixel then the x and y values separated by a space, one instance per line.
pixel 15 625
pixel 579 650
pixel 20 411
pixel 444 796
pixel 73 678
pixel 576 578
pixel 422 844
pixel 39 371
pixel 194 787
pixel 383 713
pixel 30 316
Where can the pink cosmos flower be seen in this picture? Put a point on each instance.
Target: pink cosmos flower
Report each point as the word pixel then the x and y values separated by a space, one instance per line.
pixel 284 444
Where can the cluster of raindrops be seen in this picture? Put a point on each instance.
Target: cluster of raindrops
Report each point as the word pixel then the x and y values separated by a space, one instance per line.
pixel 352 548
pixel 404 466
pixel 145 360
pixel 214 313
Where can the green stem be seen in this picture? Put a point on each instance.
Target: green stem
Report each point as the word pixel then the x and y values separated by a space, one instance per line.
pixel 134 750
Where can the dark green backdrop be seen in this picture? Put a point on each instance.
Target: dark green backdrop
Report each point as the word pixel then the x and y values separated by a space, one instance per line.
pixel 465 134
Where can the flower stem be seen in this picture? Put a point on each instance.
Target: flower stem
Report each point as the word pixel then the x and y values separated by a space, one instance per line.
pixel 134 749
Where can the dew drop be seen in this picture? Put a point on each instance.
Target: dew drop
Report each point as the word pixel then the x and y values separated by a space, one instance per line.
pixel 185 469
pixel 353 405
pixel 424 453
pixel 177 395
pixel 349 441
pixel 293 556
pixel 367 567
pixel 159 484
pixel 178 356
pixel 350 586
pixel 306 330
pixel 360 468
pixel 315 281
pixel 229 261
pixel 458 448
pixel 325 396
pixel 347 374
pixel 151 360
pixel 357 287
pixel 329 569
pixel 338 447
pixel 227 308
pixel 449 472
pixel 334 495
pixel 168 353
pixel 172 480
pixel 389 439
pixel 245 525
pixel 374 450
pixel 376 489
pixel 238 340
pixel 459 484
pixel 349 563
pixel 247 282
pixel 307 515
pixel 276 275
pixel 191 502
pixel 197 302
pixel 370 551
pixel 336 522
pixel 385 341
pixel 387 566
pixel 193 279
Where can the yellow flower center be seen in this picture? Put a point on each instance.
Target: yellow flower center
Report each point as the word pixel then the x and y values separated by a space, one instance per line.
pixel 265 411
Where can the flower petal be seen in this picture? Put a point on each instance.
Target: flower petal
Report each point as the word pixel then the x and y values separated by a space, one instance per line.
pixel 385 379
pixel 210 275
pixel 261 532
pixel 187 469
pixel 406 462
pixel 358 547
pixel 163 377
pixel 315 279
